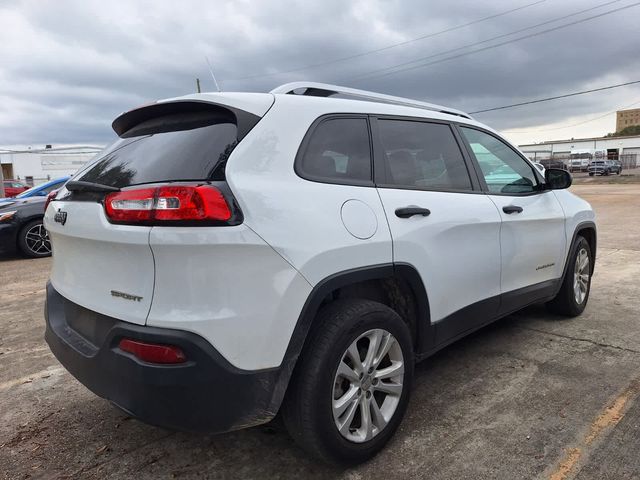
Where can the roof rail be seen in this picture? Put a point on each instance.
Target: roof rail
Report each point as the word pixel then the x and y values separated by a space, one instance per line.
pixel 327 90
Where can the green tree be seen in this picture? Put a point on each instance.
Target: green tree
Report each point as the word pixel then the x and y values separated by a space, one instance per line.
pixel 630 130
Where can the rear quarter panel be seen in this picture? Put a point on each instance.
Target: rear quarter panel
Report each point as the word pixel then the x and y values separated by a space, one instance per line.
pixel 301 219
pixel 227 285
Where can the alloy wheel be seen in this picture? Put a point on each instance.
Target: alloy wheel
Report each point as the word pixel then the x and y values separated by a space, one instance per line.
pixel 581 276
pixel 37 240
pixel 368 385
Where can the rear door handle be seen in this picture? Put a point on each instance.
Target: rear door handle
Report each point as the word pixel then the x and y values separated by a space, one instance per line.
pixel 406 212
pixel 509 209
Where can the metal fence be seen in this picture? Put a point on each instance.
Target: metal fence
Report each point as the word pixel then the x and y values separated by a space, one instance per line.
pixel 629 160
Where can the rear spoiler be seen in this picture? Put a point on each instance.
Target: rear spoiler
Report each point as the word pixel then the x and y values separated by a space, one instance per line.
pixel 191 112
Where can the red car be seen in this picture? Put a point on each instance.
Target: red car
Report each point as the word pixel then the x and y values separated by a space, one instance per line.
pixel 14 187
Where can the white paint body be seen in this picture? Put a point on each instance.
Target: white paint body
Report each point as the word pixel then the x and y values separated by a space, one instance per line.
pixel 531 239
pixel 243 288
pixel 456 249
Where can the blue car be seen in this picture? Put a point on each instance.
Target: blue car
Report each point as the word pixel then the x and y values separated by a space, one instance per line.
pixel 41 190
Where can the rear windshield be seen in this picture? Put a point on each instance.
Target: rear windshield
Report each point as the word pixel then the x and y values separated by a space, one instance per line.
pixel 187 154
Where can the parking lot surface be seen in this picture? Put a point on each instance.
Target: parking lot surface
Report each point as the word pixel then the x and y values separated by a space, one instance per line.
pixel 532 396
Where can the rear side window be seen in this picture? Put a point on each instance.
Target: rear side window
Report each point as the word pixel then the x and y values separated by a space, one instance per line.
pixel 191 150
pixel 338 151
pixel 422 155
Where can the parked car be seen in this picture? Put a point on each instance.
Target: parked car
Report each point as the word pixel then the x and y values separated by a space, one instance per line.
pixel 618 164
pixel 579 165
pixel 236 255
pixel 14 187
pixel 548 163
pixel 21 228
pixel 41 190
pixel 604 167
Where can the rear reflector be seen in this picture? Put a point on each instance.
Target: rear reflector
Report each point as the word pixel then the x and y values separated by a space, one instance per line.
pixel 153 352
pixel 167 203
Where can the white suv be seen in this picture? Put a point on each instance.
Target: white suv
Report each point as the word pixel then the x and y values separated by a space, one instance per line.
pixel 236 255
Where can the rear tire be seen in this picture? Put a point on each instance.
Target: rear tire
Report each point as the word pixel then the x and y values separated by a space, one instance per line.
pixel 33 240
pixel 329 377
pixel 573 296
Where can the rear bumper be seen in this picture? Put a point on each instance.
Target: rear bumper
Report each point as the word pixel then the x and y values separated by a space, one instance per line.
pixel 204 394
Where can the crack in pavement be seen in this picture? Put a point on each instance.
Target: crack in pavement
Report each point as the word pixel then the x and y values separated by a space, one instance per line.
pixel 580 339
pixel 615 250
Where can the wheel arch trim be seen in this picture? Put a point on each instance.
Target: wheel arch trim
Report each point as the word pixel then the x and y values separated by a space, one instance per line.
pixel 322 289
pixel 580 227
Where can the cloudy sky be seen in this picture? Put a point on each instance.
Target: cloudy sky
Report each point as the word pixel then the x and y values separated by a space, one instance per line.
pixel 67 68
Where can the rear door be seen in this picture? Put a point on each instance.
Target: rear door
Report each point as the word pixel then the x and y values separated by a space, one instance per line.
pixel 533 223
pixel 440 221
pixel 105 268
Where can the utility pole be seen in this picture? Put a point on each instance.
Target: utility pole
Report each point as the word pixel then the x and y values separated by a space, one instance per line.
pixel 198 85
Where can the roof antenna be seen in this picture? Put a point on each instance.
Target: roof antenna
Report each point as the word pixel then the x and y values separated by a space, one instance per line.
pixel 212 75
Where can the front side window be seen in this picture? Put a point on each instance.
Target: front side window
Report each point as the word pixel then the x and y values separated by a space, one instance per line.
pixel 338 152
pixel 422 155
pixel 503 169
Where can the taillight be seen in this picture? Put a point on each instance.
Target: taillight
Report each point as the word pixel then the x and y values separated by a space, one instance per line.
pixel 168 204
pixel 50 197
pixel 153 352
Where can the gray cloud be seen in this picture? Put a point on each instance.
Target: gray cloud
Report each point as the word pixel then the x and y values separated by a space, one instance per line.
pixel 69 67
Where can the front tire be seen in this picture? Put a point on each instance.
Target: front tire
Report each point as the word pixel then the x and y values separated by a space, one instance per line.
pixel 572 298
pixel 33 240
pixel 351 386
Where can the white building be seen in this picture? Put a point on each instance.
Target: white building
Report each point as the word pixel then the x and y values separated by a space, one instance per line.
pixel 35 166
pixel 626 149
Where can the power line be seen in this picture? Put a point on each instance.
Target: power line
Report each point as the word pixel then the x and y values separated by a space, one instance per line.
pixel 457 49
pixel 388 47
pixel 372 74
pixel 562 127
pixel 547 99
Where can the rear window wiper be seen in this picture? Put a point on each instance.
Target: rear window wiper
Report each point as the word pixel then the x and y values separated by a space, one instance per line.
pixel 80 186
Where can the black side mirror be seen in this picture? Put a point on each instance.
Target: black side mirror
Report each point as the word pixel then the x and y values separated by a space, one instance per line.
pixel 557 179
